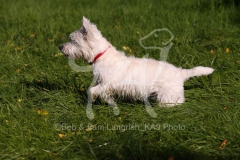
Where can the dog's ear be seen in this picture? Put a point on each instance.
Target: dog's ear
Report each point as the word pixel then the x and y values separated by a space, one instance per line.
pixel 84 31
pixel 85 24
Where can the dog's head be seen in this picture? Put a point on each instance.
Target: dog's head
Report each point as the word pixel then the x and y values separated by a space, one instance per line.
pixel 85 42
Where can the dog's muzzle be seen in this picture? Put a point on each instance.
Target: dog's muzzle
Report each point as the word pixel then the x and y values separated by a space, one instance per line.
pixel 61 47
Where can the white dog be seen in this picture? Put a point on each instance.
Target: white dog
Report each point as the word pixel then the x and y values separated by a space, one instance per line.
pixel 115 73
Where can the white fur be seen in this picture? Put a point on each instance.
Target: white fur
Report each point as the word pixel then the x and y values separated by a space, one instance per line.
pixel 115 73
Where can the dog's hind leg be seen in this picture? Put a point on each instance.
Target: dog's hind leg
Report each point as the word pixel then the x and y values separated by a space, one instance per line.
pixel 171 96
pixel 149 108
pixel 94 92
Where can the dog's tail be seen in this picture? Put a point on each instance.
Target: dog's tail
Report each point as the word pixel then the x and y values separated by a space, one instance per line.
pixel 197 71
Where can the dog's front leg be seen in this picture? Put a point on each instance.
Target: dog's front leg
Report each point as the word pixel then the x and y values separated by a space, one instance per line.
pixel 111 103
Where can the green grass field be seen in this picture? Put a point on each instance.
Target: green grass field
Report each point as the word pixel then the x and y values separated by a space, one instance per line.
pixel 43 101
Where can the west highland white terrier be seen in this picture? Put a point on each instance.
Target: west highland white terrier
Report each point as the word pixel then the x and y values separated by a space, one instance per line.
pixel 116 74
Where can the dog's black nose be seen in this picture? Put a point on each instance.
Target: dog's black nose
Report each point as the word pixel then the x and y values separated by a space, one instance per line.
pixel 60 47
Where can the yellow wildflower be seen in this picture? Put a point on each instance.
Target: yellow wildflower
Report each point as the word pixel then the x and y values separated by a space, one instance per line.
pixel 18 70
pixel 58 54
pixel 32 35
pixel 90 128
pixel 126 48
pixel 227 50
pixel 61 135
pixel 42 112
pixel 90 140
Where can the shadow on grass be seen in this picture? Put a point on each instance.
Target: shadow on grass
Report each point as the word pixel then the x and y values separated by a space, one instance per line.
pixel 232 5
pixel 138 149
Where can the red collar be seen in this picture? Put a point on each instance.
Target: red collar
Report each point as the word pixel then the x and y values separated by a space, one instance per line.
pixel 98 56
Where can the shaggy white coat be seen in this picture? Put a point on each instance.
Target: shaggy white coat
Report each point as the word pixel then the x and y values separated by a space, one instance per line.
pixel 115 73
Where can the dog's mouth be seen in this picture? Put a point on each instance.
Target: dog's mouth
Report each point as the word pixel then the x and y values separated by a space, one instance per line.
pixel 61 48
pixel 66 55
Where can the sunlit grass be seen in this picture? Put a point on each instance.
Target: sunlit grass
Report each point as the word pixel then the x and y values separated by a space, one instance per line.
pixel 43 101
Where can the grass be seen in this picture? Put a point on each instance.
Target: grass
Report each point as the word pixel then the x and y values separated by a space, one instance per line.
pixel 43 101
